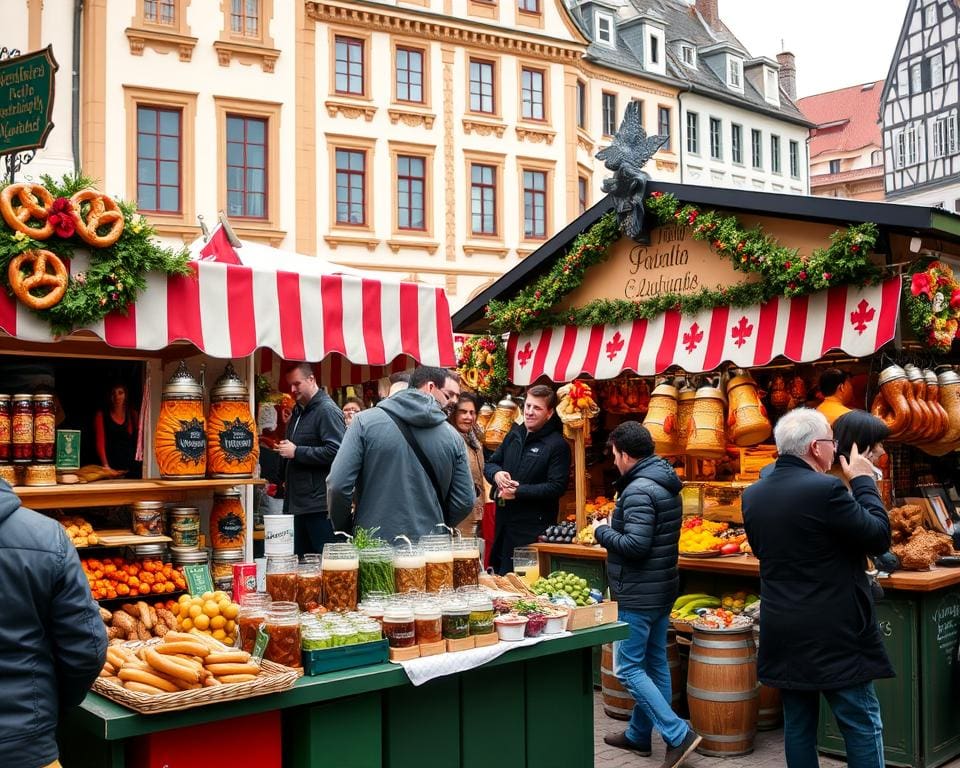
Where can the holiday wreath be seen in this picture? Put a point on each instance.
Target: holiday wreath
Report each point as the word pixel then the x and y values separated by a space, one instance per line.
pixel 933 304
pixel 43 226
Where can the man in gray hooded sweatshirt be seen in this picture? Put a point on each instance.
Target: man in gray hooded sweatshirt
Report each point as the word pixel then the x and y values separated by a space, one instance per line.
pixel 378 466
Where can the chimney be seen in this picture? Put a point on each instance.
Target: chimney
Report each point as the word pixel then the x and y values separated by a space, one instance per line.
pixel 708 9
pixel 788 74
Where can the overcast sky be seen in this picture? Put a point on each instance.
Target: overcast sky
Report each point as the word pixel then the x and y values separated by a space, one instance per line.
pixel 837 42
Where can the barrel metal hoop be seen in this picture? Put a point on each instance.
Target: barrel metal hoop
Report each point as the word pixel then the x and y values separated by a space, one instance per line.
pixel 714 660
pixel 722 643
pixel 722 695
pixel 728 738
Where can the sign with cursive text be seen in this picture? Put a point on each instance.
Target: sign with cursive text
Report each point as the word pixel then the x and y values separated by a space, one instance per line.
pixel 26 100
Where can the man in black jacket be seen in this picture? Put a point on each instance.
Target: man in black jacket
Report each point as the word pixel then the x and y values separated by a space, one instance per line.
pixel 313 438
pixel 818 625
pixel 52 640
pixel 529 471
pixel 641 540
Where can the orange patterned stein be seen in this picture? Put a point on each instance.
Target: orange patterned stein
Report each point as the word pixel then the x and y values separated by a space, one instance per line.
pixel 232 444
pixel 180 440
pixel 748 420
pixel 706 436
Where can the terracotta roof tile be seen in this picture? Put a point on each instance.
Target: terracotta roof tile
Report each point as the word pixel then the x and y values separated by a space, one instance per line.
pixel 820 179
pixel 852 115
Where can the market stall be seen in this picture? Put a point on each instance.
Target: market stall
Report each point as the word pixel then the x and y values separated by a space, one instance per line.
pixel 718 318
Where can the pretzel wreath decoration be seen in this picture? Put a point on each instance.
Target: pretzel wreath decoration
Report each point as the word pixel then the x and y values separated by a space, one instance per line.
pixel 26 208
pixel 24 283
pixel 102 212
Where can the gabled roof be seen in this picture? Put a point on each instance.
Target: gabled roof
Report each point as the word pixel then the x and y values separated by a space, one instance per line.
pixel 889 217
pixel 895 59
pixel 846 118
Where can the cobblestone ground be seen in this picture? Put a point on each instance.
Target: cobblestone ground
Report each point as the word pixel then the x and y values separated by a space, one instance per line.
pixel 767 753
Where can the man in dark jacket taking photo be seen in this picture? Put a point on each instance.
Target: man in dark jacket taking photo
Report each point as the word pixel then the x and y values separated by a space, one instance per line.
pixel 642 539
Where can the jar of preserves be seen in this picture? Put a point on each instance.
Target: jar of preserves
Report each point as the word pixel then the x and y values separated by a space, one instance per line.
pixel 455 620
pixel 147 519
pixel 372 608
pixel 21 427
pixel 428 620
pixel 143 552
pixel 438 554
pixel 481 616
pixel 376 570
pixel 180 439
pixel 184 527
pixel 398 625
pixel 6 409
pixel 184 557
pixel 341 572
pixel 466 562
pixel 44 428
pixel 253 611
pixel 222 568
pixel 309 585
pixel 282 578
pixel 228 524
pixel 282 625
pixel 232 445
pixel 409 569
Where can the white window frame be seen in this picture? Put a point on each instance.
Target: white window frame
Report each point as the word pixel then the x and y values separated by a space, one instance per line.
pixel 905 147
pixel 716 138
pixel 776 150
pixel 688 55
pixel 938 59
pixel 736 143
pixel 927 20
pixel 601 16
pixel 794 155
pixel 653 42
pixel 916 78
pixel 944 135
pixel 734 72
pixel 693 136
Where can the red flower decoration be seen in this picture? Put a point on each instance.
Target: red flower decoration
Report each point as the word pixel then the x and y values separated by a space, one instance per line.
pixel 803 274
pixel 955 299
pixel 920 283
pixel 61 219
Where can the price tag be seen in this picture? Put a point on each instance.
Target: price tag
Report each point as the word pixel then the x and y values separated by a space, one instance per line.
pixel 198 579
pixel 260 644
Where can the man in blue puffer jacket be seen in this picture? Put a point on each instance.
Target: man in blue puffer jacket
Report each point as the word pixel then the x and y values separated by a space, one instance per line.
pixel 641 540
pixel 52 640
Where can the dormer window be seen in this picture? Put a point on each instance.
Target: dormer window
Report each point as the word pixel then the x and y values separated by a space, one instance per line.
pixel 771 82
pixel 688 55
pixel 734 72
pixel 654 49
pixel 604 28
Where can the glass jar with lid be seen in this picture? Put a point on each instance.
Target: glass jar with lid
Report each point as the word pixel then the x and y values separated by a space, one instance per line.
pixel 282 625
pixel 147 520
pixel 398 625
pixel 481 615
pixel 340 572
pixel 184 557
pixel 466 562
pixel 142 552
pixel 184 528
pixel 376 570
pixel 6 450
pixel 309 585
pixel 438 554
pixel 253 611
pixel 427 618
pixel 44 428
pixel 282 578
pixel 21 428
pixel 409 569
pixel 455 619
pixel 222 568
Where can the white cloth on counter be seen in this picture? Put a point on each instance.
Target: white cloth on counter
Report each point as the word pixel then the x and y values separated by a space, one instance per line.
pixel 423 670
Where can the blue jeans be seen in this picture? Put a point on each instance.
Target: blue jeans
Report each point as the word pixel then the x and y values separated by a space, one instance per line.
pixel 640 662
pixel 857 712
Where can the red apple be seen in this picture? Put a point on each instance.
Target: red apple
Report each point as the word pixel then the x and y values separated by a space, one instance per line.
pixel 730 549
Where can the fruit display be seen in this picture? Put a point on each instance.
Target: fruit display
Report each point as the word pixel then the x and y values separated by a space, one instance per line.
pixel 139 621
pixel 737 602
pixel 685 607
pixel 563 583
pixel 112 577
pixel 212 614
pixel 699 535
pixel 576 402
pixel 720 618
pixel 181 662
pixel 562 533
pixel 585 536
pixel 81 533
pixel 599 507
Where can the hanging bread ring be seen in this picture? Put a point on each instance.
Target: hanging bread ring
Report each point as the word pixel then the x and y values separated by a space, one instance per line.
pixel 23 284
pixel 26 208
pixel 102 212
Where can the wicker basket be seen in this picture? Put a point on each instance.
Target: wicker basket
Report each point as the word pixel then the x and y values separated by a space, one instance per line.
pixel 273 678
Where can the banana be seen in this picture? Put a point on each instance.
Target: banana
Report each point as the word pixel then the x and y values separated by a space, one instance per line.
pixel 683 600
pixel 704 602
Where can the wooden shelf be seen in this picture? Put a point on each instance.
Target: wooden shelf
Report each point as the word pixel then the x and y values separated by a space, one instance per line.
pixel 116 492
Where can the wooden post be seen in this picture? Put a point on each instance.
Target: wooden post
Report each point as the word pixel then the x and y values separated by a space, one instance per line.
pixel 580 473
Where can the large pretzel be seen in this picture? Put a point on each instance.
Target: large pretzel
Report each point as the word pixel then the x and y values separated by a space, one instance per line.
pixel 102 212
pixel 32 206
pixel 22 284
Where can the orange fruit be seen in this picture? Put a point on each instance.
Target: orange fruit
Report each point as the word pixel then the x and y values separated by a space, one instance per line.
pixel 211 609
pixel 201 622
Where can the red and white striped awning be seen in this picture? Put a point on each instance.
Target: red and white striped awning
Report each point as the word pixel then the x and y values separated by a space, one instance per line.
pixel 228 311
pixel 856 320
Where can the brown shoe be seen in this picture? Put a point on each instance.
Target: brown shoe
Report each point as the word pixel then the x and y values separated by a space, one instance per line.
pixel 676 755
pixel 620 741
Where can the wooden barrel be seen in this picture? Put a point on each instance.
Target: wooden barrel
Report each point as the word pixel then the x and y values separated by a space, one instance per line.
pixel 723 692
pixel 770 716
pixel 617 701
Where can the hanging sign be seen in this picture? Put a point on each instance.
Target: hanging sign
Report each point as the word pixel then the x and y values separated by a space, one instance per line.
pixel 26 100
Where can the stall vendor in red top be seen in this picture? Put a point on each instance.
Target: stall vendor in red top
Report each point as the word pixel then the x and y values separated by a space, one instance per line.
pixel 115 433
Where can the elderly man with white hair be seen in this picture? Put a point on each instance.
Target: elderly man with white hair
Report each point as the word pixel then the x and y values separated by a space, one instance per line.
pixel 818 624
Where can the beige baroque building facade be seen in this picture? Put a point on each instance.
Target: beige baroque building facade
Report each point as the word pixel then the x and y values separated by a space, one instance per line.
pixel 438 140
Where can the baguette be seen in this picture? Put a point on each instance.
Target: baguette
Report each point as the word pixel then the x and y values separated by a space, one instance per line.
pixel 171 668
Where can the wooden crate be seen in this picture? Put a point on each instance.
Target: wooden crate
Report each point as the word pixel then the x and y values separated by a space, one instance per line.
pixel 592 615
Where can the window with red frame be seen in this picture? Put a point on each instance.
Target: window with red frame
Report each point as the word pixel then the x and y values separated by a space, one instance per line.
pixel 246 166
pixel 349 65
pixel 483 199
pixel 411 186
pixel 158 159
pixel 160 11
pixel 534 204
pixel 351 186
pixel 583 199
pixel 531 94
pixel 482 96
pixel 245 17
pixel 409 68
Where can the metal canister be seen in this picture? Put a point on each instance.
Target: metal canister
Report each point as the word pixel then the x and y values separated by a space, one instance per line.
pixel 232 445
pixel 180 438
pixel 44 428
pixel 184 527
pixel 222 568
pixel 21 421
pixel 228 523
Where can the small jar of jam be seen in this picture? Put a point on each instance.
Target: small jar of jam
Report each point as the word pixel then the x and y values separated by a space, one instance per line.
pixel 253 612
pixel 282 624
pixel 398 625
pixel 21 421
pixel 44 428
pixel 282 578
pixel 6 407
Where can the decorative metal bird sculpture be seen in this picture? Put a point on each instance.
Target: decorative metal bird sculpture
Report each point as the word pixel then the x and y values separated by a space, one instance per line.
pixel 629 151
